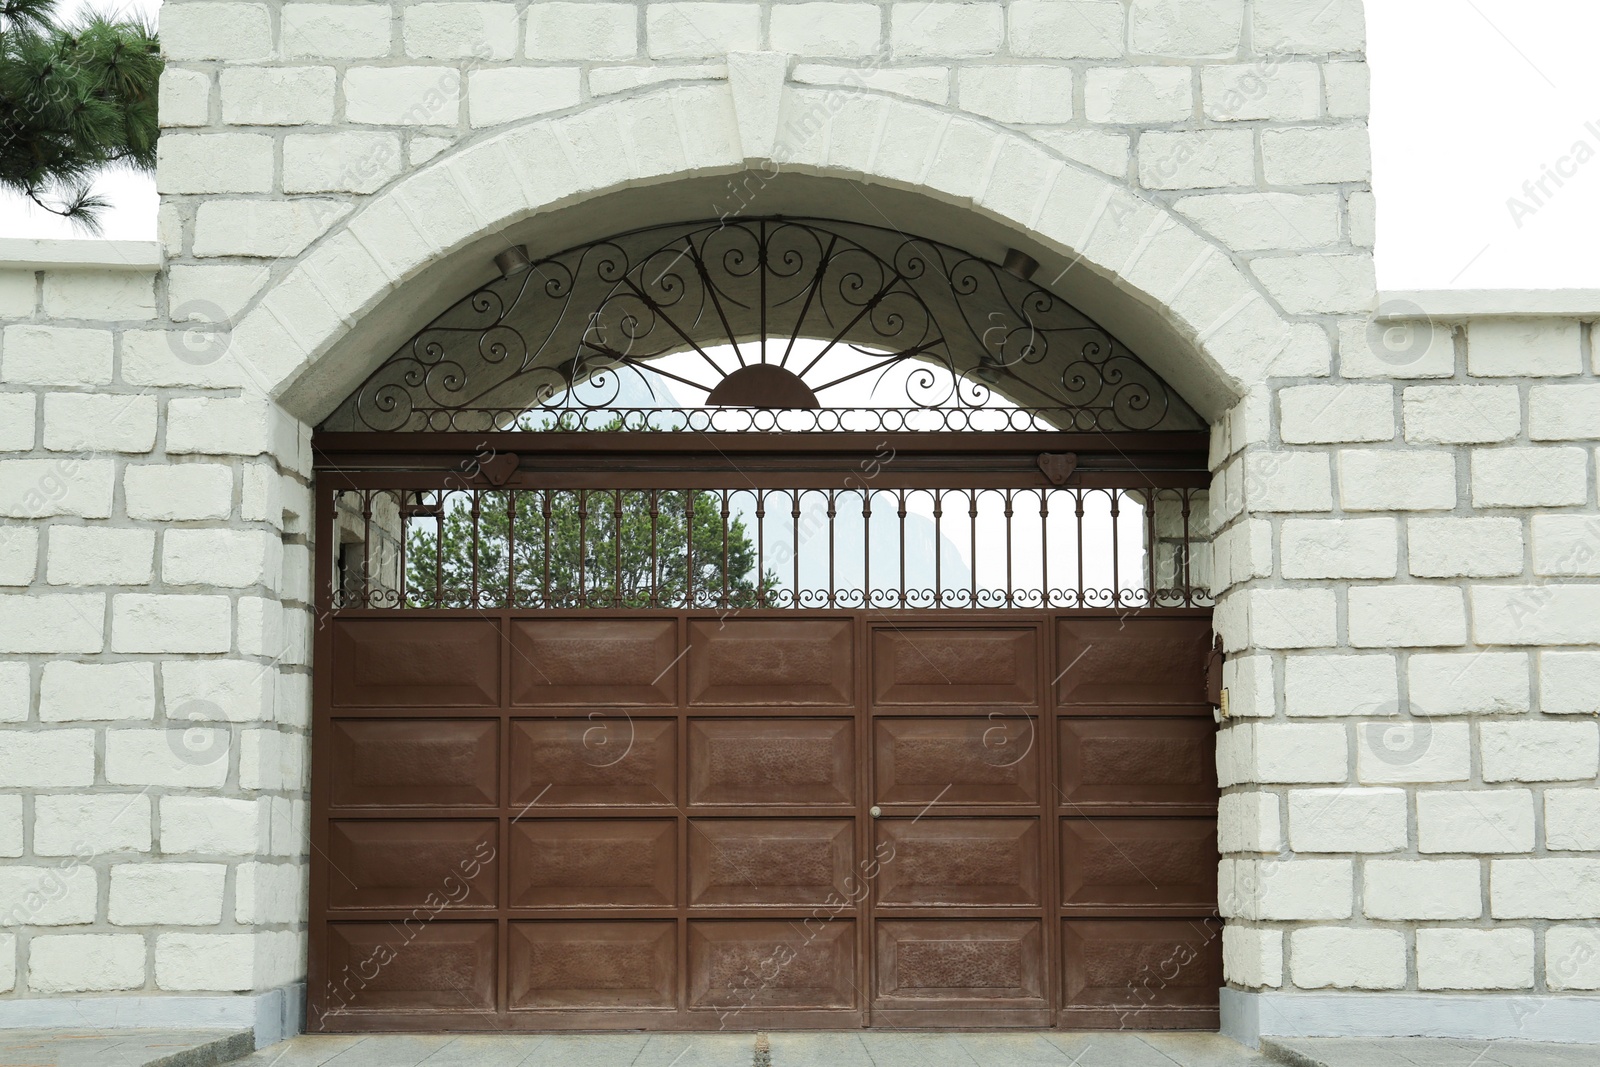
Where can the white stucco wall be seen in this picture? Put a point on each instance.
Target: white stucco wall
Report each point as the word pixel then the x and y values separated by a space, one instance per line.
pixel 1405 522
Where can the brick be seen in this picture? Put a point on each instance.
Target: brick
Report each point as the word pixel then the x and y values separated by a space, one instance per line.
pixel 919 83
pixel 19 556
pixel 825 29
pixel 18 294
pixel 1564 412
pixel 1248 822
pixel 1196 159
pixel 166 894
pixel 701 30
pixel 334 31
pixel 1566 545
pixel 58 623
pixel 104 422
pixel 77 824
pixel 1252 957
pixel 1529 477
pixel 1295 889
pixel 1554 888
pixel 1243 92
pixel 1396 480
pixel 187 163
pixel 590 32
pixel 1462 414
pixel 57 894
pixel 1340 685
pixel 212 826
pixel 1475 821
pixel 1469 683
pixel 350 161
pixel 1539 751
pixel 1292 618
pixel 1287 481
pixel 1404 348
pixel 1569 683
pixel 17 421
pixel 243 426
pixel 165 622
pixel 165 493
pixel 1137 94
pixel 1340 548
pixel 1337 957
pixel 216 31
pixel 55 355
pixel 1185 28
pixel 1252 222
pixel 10 826
pixel 1347 819
pixel 607 80
pixel 403 96
pixel 1349 90
pixel 184 98
pixel 1316 155
pixel 81 963
pixel 1400 751
pixel 1572 957
pixel 1536 615
pixel 1516 348
pixel 459 31
pixel 1016 93
pixel 278 96
pixel 1066 29
pixel 269 893
pixel 1320 283
pixel 263 228
pixel 1397 890
pixel 1474 959
pixel 106 296
pixel 498 96
pixel 1572 819
pixel 166 757
pixel 1465 548
pixel 1415 616
pixel 221 962
pixel 1300 753
pixel 1308 27
pixel 75 692
pixel 231 558
pixel 222 690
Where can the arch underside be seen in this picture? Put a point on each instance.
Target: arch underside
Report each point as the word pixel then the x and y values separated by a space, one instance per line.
pixel 779 310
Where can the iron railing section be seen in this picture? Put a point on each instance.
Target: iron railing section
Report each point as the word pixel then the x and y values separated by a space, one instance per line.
pixel 731 420
pixel 696 548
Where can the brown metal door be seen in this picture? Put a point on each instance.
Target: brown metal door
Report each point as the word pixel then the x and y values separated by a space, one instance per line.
pixel 693 820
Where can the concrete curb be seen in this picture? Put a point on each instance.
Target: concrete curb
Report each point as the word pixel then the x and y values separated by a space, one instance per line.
pixel 1286 1055
pixel 224 1049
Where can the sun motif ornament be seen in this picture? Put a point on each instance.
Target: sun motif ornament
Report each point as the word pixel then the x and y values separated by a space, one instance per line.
pixel 763 324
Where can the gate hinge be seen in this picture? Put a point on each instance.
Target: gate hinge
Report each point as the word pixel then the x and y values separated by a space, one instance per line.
pixel 1058 468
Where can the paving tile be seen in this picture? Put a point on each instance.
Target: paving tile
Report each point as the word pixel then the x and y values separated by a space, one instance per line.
pixel 587 1050
pixel 486 1050
pixel 391 1050
pixel 1205 1050
pixel 1107 1050
pixel 892 1049
pixel 308 1051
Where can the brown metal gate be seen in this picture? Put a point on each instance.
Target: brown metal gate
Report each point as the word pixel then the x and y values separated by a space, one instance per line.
pixel 595 808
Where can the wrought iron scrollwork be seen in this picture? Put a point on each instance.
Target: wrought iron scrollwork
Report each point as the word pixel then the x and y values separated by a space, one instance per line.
pixel 780 313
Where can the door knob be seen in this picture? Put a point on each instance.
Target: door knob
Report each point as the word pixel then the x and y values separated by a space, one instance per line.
pixel 876 812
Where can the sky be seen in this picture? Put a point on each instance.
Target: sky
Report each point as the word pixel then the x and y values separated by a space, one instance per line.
pixel 1485 135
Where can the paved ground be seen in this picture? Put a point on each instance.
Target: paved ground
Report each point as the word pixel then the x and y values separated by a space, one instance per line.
pixel 121 1048
pixel 904 1050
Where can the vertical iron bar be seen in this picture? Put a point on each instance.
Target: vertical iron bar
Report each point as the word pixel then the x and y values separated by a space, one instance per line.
pixel 938 548
pixel 1044 548
pixel 366 549
pixel 438 549
pixel 1010 581
pixel 1188 587
pixel 1078 498
pixel 402 586
pixel 616 525
pixel 833 591
pixel 1116 547
pixel 972 538
pixel 724 602
pixel 583 548
pixel 761 271
pixel 655 565
pixel 902 502
pixel 761 533
pixel 794 495
pixel 546 549
pixel 511 550
pixel 477 514
pixel 688 559
pixel 1152 553
pixel 866 548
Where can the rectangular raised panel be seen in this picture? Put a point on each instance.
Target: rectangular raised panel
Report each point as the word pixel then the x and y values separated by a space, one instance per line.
pixel 434 966
pixel 565 965
pixel 771 662
pixel 960 963
pixel 439 763
pixel 557 662
pixel 990 760
pixel 602 759
pixel 416 663
pixel 794 964
pixel 934 861
pixel 736 862
pixel 1132 666
pixel 1131 862
pixel 934 667
pixel 751 762
pixel 406 863
pixel 559 863
pixel 1139 762
pixel 1141 963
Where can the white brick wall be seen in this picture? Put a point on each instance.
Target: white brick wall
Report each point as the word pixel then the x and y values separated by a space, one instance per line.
pixel 1401 521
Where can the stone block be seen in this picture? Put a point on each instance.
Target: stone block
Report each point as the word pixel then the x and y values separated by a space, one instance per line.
pixel 1347 819
pixel 1524 348
pixel 826 29
pixel 277 96
pixel 351 161
pixel 187 163
pixel 1142 95
pixel 85 963
pixel 166 894
pixel 77 692
pixel 1022 94
pixel 1474 821
pixel 1340 548
pixel 1469 683
pixel 403 96
pixel 237 32
pixel 1065 29
pixel 506 95
pixel 1529 477
pixel 1415 616
pixel 99 422
pixel 55 355
pixel 1342 958
pixel 168 622
pixel 104 296
pixel 1316 155
pixel 1465 548
pixel 1462 414
pixel 1539 751
pixel 76 824
pixel 1401 890
pixel 464 30
pixel 1397 480
pixel 1340 685
pixel 697 30
pixel 1197 159
pixel 1474 959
